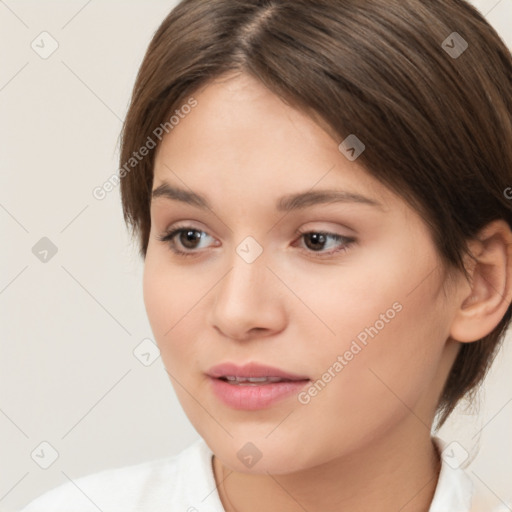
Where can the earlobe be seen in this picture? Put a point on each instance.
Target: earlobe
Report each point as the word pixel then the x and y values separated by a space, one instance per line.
pixel 490 290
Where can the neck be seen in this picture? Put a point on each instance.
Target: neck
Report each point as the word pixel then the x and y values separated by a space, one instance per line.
pixel 395 472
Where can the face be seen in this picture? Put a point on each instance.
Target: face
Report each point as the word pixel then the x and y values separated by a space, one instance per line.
pixel 346 294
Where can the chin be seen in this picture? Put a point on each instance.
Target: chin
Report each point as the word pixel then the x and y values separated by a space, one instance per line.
pixel 260 456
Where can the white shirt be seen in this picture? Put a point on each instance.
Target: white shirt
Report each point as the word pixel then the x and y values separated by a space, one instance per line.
pixel 185 483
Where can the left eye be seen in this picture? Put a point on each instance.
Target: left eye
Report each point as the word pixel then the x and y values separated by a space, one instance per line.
pixel 189 238
pixel 317 240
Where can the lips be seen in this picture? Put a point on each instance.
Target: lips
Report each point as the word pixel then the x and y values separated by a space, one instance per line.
pixel 252 373
pixel 253 386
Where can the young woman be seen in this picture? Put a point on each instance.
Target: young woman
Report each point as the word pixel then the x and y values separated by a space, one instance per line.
pixel 320 191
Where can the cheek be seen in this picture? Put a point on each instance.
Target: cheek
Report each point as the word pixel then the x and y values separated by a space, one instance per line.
pixel 174 302
pixel 157 300
pixel 378 384
pixel 171 300
pixel 389 333
pixel 162 293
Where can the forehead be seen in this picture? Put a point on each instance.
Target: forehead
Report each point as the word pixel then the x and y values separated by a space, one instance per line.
pixel 241 136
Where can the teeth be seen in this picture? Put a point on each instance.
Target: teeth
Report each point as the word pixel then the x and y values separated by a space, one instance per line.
pixel 253 379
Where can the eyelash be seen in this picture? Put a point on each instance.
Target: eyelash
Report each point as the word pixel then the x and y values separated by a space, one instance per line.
pixel 169 237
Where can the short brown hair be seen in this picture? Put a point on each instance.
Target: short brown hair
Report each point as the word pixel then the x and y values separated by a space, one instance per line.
pixel 437 124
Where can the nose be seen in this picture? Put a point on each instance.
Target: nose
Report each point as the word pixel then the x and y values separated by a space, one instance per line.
pixel 248 301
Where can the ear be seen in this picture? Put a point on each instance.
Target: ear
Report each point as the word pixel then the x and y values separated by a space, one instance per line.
pixel 485 300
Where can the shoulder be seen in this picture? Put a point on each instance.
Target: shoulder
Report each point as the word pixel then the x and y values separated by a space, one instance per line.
pixel 128 488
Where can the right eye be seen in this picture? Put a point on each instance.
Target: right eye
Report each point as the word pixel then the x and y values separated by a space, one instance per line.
pixel 186 237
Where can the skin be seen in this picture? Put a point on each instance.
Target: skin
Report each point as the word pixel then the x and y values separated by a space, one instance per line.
pixel 363 442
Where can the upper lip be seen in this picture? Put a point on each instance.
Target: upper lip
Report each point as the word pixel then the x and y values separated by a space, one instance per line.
pixel 251 370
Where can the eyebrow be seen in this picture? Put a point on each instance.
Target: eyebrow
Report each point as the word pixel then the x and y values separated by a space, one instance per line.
pixel 286 203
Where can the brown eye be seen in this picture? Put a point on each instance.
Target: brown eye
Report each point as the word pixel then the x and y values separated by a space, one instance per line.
pixel 189 237
pixel 316 241
pixel 184 241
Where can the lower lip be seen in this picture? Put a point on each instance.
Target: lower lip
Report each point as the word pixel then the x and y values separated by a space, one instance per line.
pixel 252 397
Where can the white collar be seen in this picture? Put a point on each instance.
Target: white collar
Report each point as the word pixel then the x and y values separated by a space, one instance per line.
pixel 454 491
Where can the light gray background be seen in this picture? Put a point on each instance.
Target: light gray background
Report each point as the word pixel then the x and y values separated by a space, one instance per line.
pixel 69 326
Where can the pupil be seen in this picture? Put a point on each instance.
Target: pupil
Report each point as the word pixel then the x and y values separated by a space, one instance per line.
pixel 318 238
pixel 190 238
